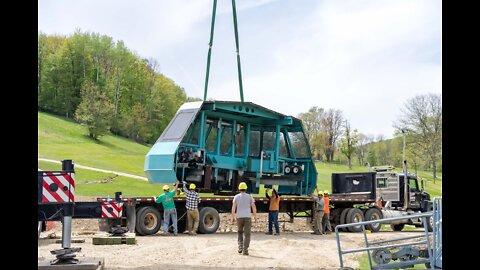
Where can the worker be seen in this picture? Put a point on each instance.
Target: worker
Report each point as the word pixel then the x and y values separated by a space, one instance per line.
pixel 273 208
pixel 378 202
pixel 169 210
pixel 327 227
pixel 192 208
pixel 242 209
pixel 319 209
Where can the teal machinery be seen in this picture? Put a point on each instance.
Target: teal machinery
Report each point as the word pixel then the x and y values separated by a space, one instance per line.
pixel 218 144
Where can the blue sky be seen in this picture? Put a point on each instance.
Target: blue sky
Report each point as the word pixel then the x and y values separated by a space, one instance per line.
pixel 363 57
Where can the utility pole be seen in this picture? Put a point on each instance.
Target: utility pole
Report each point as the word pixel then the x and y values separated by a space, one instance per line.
pixel 406 197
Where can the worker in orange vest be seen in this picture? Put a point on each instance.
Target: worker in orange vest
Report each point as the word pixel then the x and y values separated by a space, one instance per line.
pixel 327 227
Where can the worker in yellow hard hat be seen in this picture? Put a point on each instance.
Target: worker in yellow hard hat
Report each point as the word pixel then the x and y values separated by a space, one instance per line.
pixel 242 209
pixel 326 226
pixel 273 208
pixel 193 199
pixel 318 213
pixel 169 210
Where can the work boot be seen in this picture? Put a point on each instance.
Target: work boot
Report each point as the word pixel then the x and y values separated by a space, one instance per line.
pixel 245 252
pixel 277 233
pixel 240 251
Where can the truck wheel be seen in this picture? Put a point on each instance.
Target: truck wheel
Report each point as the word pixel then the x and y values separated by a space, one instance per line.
pixel 335 217
pixel 373 214
pixel 148 221
pixel 430 224
pixel 343 217
pixel 209 220
pixel 397 227
pixel 355 215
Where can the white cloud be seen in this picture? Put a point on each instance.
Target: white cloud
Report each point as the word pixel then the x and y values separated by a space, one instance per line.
pixel 363 57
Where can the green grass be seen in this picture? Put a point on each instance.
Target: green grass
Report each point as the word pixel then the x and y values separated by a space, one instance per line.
pixel 365 265
pixel 129 187
pixel 61 138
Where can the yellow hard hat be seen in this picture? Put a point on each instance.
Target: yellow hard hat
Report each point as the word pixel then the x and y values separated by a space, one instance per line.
pixel 243 186
pixel 166 187
pixel 325 192
pixel 192 186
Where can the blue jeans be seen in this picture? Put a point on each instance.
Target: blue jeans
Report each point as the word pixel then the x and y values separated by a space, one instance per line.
pixel 273 219
pixel 166 219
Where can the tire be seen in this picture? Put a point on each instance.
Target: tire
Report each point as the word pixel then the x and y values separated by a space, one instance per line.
pixel 430 224
pixel 397 227
pixel 343 217
pixel 373 214
pixel 148 221
pixel 209 220
pixel 335 217
pixel 355 215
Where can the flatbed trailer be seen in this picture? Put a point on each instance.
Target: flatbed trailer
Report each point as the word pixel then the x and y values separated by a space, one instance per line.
pixel 56 200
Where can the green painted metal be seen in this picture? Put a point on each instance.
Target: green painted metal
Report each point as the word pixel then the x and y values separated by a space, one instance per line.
pixel 201 138
pixel 189 158
pixel 277 141
pixel 247 140
pixel 210 44
pixel 238 49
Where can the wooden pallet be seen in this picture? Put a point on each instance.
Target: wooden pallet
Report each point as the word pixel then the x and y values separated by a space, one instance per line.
pixel 114 240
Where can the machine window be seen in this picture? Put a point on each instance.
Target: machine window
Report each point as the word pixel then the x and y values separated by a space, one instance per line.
pixel 381 182
pixel 225 144
pixel 254 147
pixel 211 142
pixel 283 151
pixel 178 126
pixel 299 144
pixel 413 184
pixel 268 140
pixel 240 142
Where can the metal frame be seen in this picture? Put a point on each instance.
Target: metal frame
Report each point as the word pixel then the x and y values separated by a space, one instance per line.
pixel 434 250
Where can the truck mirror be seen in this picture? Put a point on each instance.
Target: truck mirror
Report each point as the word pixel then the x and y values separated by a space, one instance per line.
pixel 423 184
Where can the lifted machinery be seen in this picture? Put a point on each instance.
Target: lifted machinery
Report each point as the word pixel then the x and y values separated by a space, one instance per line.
pixel 218 144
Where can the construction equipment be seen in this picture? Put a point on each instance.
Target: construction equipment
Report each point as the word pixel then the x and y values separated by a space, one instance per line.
pixel 354 196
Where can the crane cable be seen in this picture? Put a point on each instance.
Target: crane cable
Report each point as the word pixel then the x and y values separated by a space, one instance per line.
pixel 210 44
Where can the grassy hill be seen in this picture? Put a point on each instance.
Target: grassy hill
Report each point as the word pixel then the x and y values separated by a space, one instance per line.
pixel 60 138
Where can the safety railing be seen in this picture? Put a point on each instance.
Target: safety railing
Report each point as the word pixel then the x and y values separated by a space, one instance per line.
pixel 437 231
pixel 381 252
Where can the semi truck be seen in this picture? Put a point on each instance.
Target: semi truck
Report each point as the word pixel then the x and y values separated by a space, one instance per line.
pixel 378 194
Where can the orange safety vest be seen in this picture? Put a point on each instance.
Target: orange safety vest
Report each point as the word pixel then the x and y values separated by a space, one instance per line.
pixel 327 203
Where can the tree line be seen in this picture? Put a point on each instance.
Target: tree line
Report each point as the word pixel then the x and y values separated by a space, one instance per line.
pixel 332 139
pixel 101 83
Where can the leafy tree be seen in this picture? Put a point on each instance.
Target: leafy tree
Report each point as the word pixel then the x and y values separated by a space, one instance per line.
pixel 332 124
pixel 312 126
pixel 129 82
pixel 348 142
pixel 95 110
pixel 422 121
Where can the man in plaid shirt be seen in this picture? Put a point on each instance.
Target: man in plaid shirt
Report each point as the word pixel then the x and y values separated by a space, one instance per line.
pixel 193 199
